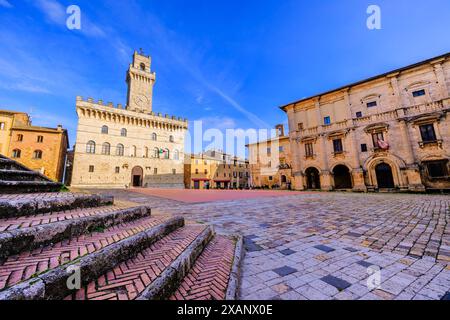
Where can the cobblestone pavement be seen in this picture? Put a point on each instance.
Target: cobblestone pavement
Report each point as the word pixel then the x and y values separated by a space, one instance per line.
pixel 331 245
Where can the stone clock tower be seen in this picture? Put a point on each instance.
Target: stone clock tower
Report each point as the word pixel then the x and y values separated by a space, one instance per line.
pixel 140 80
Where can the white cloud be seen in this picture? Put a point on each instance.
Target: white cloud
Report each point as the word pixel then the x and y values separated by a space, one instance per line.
pixel 5 4
pixel 215 122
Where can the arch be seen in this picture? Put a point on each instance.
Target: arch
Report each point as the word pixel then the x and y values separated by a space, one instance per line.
pixel 106 149
pixel 171 139
pixel 105 129
pixel 342 177
pixel 133 151
pixel 137 175
pixel 385 178
pixel 394 162
pixel 37 154
pixel 120 150
pixel 16 153
pixel 90 147
pixel 312 178
pixel 166 154
pixel 154 136
pixel 156 153
pixel 283 179
pixel 123 132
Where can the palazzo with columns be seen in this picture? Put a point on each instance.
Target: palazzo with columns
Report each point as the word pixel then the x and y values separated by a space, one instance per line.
pixel 389 132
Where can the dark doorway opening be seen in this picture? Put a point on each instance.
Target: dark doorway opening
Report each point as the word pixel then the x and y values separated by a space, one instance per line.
pixel 342 177
pixel 385 179
pixel 137 175
pixel 312 178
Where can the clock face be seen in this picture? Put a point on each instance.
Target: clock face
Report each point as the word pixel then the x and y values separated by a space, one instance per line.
pixel 141 100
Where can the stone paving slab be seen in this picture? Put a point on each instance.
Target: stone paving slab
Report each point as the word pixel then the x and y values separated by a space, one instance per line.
pixel 405 239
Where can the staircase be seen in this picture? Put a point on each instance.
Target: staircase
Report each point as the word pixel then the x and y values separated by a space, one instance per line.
pixel 16 178
pixel 56 246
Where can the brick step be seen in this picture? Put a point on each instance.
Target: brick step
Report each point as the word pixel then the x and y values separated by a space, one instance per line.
pixel 23 266
pixel 104 251
pixel 8 164
pixel 21 175
pixel 18 205
pixel 29 186
pixel 213 276
pixel 154 273
pixel 28 238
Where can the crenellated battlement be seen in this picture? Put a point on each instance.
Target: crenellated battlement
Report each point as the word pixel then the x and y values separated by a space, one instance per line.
pixel 102 106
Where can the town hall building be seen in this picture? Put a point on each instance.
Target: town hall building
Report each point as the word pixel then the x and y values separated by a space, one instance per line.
pixel 129 146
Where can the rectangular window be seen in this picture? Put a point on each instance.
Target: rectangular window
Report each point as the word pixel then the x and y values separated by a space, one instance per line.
pixel 337 146
pixel 437 169
pixel 2 126
pixel 327 121
pixel 371 104
pixel 359 114
pixel 364 147
pixel 155 170
pixel 206 171
pixel 20 137
pixel 377 137
pixel 91 169
pixel 427 132
pixel 174 171
pixel 300 126
pixel 117 169
pixel 281 149
pixel 309 149
pixel 418 93
pixel 270 178
pixel 40 139
pixel 196 171
pixel 269 151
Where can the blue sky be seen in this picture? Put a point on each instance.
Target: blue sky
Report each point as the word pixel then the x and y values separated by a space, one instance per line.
pixel 228 63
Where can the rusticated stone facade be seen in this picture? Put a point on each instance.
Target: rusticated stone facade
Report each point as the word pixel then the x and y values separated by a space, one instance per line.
pixel 271 162
pixel 388 132
pixel 124 146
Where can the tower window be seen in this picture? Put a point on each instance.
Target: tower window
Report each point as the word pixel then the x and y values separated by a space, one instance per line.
pixel 142 66
pixel 20 137
pixel 123 132
pixel 40 139
pixel 106 148
pixel 154 137
pixel 16 153
pixel 120 150
pixel 90 147
pixel 171 139
pixel 418 93
pixel 91 169
pixel 117 170
pixel 105 130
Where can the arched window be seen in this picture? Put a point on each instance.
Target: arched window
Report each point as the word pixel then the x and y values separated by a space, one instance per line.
pixel 145 152
pixel 37 154
pixel 105 129
pixel 154 136
pixel 156 153
pixel 90 147
pixel 20 137
pixel 134 151
pixel 106 148
pixel 119 150
pixel 166 154
pixel 176 155
pixel 143 66
pixel 123 132
pixel 171 139
pixel 16 153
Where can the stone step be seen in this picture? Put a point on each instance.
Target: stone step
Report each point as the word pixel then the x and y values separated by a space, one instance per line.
pixel 28 263
pixel 21 175
pixel 153 273
pixel 29 186
pixel 18 205
pixel 101 257
pixel 8 164
pixel 215 274
pixel 29 238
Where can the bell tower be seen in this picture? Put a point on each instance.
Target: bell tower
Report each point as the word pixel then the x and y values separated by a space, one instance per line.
pixel 140 80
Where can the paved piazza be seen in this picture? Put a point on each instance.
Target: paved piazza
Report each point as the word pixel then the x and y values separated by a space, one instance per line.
pixel 327 245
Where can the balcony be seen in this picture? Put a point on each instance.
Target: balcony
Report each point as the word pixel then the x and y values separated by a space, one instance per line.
pixel 434 143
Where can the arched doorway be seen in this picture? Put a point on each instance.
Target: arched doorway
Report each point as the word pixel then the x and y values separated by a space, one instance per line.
pixel 283 179
pixel 385 179
pixel 312 178
pixel 342 177
pixel 137 175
